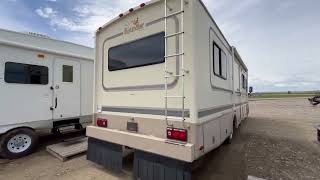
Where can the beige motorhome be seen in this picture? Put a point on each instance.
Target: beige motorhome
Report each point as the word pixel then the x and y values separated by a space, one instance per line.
pixel 168 85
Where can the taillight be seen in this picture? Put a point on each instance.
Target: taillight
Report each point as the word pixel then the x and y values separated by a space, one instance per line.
pixel 177 134
pixel 102 122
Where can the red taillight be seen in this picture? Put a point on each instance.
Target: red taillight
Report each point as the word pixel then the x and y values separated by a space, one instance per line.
pixel 102 122
pixel 131 10
pixel 142 5
pixel 177 134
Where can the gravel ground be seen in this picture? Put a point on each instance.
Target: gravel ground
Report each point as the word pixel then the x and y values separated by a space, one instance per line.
pixel 277 141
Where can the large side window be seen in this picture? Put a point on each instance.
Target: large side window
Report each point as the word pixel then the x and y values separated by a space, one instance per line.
pixel 26 74
pixel 142 52
pixel 219 62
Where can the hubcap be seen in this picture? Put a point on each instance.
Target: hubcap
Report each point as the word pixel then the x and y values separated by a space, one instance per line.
pixel 19 143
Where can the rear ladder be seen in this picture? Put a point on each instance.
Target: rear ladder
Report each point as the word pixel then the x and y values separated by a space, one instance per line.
pixel 181 73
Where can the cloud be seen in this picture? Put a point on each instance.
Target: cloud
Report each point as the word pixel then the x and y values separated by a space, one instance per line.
pixel 46 12
pixel 57 20
pixel 87 15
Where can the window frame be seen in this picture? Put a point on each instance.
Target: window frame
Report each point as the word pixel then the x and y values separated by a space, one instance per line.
pixel 214 44
pixel 39 84
pixel 63 73
pixel 131 67
pixel 244 81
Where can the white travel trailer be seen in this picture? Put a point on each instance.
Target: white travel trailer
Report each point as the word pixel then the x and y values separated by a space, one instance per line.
pixel 45 84
pixel 168 85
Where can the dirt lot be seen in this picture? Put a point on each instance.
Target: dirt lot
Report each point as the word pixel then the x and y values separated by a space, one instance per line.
pixel 276 142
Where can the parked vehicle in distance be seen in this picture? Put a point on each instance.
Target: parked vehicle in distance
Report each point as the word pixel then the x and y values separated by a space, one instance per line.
pixel 168 85
pixel 45 84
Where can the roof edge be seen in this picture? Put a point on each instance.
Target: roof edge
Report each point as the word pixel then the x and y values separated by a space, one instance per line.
pixel 10 43
pixel 46 38
pixel 239 57
pixel 126 13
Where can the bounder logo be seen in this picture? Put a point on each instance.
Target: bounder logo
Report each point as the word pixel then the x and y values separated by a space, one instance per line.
pixel 134 25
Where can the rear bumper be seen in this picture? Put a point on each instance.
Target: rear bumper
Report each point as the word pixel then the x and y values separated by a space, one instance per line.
pixel 145 143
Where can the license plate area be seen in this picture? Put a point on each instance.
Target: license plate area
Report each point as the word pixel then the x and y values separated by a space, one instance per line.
pixel 132 126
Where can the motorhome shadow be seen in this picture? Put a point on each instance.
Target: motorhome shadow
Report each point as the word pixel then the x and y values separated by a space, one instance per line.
pixel 167 85
pixel 45 85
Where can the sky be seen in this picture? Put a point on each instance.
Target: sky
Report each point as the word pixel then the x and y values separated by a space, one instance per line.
pixel 277 39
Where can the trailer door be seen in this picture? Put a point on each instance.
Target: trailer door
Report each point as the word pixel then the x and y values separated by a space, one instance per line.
pixel 66 101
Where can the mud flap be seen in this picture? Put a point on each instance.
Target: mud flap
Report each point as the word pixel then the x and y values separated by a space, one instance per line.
pixel 148 166
pixel 106 154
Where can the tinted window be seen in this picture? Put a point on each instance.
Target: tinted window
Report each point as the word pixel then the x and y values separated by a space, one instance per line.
pixel 219 62
pixel 216 60
pixel 244 82
pixel 143 52
pixel 67 73
pixel 25 73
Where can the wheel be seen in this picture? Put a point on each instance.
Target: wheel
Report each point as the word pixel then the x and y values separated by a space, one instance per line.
pixel 230 138
pixel 18 143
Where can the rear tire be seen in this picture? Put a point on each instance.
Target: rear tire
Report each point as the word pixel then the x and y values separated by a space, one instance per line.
pixel 18 143
pixel 230 138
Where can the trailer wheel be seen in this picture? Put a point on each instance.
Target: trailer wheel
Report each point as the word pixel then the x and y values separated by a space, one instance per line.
pixel 18 143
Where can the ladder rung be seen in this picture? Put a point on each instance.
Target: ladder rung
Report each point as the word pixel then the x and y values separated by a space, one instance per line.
pixel 169 72
pixel 173 14
pixel 175 97
pixel 173 55
pixel 175 34
pixel 175 118
pixel 178 75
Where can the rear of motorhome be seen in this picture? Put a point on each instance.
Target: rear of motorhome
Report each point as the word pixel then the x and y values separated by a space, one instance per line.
pixel 45 85
pixel 167 85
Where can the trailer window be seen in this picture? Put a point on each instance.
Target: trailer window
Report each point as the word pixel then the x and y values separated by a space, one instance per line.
pixel 219 62
pixel 67 73
pixel 26 73
pixel 143 52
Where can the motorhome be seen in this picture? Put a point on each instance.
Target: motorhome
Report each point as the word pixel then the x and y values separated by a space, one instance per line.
pixel 45 85
pixel 167 85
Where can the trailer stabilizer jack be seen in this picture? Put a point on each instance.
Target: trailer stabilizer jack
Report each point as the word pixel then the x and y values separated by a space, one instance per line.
pixel 148 166
pixel 106 154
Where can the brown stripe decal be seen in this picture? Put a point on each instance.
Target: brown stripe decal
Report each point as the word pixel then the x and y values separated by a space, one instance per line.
pixel 210 111
pixel 207 112
pixel 171 112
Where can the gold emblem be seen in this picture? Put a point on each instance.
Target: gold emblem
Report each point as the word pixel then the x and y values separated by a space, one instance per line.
pixel 134 25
